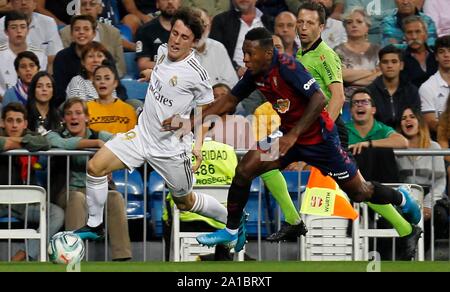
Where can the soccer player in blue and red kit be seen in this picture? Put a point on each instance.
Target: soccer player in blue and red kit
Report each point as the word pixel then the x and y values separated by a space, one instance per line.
pixel 309 135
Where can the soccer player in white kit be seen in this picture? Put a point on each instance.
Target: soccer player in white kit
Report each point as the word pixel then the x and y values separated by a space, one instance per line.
pixel 178 84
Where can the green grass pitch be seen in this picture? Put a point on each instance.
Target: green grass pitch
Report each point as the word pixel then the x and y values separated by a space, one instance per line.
pixel 266 266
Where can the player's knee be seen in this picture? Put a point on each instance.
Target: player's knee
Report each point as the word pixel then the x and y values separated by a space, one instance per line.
pixel 243 175
pixel 184 203
pixel 94 169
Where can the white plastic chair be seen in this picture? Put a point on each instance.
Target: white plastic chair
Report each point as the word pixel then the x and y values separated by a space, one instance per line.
pixel 184 245
pixel 362 232
pixel 26 194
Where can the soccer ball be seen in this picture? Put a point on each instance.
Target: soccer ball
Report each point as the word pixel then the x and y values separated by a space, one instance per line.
pixel 66 248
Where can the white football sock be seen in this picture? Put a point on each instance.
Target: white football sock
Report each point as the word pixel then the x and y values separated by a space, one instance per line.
pixel 96 194
pixel 208 206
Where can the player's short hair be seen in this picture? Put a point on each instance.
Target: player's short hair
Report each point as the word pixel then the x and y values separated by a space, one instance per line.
pixel 262 35
pixel 412 19
pixel 390 49
pixel 217 85
pixel 15 15
pixel 362 91
pixel 26 54
pixel 108 65
pixel 442 42
pixel 15 107
pixel 191 20
pixel 314 6
pixel 89 18
pixel 74 100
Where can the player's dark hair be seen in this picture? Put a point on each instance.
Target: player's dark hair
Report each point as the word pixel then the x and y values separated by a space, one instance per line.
pixel 15 15
pixel 362 91
pixel 15 107
pixel 28 55
pixel 89 18
pixel 262 35
pixel 442 42
pixel 390 49
pixel 191 20
pixel 314 6
pixel 217 85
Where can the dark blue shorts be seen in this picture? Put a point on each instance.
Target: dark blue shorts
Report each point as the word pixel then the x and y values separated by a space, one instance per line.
pixel 329 157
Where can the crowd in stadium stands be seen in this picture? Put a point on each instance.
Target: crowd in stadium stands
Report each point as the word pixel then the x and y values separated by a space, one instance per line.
pixel 64 89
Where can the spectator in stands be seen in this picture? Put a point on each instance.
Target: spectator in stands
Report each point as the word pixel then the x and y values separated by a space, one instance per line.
pixel 336 11
pixel 365 131
pixel 376 10
pixel 230 27
pixel 26 65
pixel 213 56
pixel 107 112
pixel 435 91
pixel 16 28
pixel 5 7
pixel 333 33
pixel 419 169
pixel 321 61
pixel 42 30
pixel 150 36
pixel 285 28
pixel 236 129
pixel 77 135
pixel 359 57
pixel 213 7
pixel 443 137
pixel 92 56
pixel 438 11
pixel 15 135
pixel 391 93
pixel 106 34
pixel 43 116
pixel 391 26
pixel 419 59
pixel 271 8
pixel 57 10
pixel 138 12
pixel 67 62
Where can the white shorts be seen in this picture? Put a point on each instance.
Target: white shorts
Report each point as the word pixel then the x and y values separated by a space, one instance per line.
pixel 175 170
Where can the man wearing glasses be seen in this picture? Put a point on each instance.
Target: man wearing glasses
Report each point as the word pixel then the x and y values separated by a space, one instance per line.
pixel 364 131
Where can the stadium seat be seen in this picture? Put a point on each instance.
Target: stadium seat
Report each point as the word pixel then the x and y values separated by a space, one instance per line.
pixel 132 68
pixel 23 194
pixel 256 192
pixel 135 89
pixel 125 32
pixel 156 192
pixel 131 183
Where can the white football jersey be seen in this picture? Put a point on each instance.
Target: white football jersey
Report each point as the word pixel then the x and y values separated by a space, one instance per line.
pixel 174 88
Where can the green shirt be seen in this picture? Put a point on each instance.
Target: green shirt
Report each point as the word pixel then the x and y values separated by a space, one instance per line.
pixel 66 141
pixel 323 64
pixel 379 131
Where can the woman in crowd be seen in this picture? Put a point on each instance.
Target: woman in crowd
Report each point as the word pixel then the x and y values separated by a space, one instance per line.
pixel 419 169
pixel 43 115
pixel 77 135
pixel 26 65
pixel 359 56
pixel 108 113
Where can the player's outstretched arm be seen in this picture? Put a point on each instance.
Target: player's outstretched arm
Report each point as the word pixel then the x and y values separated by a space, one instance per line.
pixel 313 109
